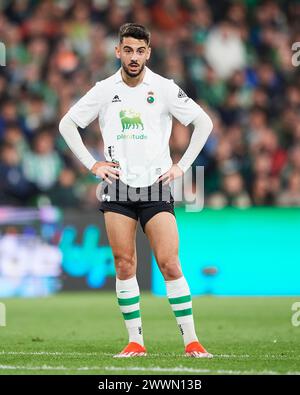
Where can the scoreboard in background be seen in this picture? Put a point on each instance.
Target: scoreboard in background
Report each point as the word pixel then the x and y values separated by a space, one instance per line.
pixel 30 259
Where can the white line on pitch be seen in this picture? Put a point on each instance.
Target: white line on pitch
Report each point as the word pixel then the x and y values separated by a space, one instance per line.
pixel 179 369
pixel 94 354
pixel 49 353
pixel 193 370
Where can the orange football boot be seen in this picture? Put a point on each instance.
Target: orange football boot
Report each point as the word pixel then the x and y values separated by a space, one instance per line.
pixel 132 350
pixel 196 350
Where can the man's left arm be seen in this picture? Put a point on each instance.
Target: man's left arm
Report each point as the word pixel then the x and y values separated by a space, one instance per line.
pixel 202 128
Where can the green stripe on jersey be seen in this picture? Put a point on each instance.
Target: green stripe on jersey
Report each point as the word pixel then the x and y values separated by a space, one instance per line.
pixel 132 315
pixel 128 301
pixel 180 299
pixel 182 313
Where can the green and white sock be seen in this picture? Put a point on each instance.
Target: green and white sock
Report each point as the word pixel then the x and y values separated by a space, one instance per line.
pixel 128 295
pixel 179 296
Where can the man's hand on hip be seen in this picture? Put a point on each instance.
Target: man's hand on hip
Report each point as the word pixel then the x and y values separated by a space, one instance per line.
pixel 170 175
pixel 106 170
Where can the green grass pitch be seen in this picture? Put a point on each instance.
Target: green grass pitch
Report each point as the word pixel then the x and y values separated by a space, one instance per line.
pixel 78 333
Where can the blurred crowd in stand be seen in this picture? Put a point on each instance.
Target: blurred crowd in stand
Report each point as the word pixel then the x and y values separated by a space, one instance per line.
pixel 233 57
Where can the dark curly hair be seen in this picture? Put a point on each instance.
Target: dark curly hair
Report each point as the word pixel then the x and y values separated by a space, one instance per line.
pixel 134 30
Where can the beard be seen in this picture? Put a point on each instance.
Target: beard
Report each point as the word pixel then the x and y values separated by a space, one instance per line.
pixel 134 74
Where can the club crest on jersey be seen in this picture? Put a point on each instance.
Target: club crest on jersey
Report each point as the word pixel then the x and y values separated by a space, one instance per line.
pixel 150 98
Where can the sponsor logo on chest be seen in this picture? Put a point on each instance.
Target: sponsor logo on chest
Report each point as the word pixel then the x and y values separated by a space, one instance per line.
pixel 132 125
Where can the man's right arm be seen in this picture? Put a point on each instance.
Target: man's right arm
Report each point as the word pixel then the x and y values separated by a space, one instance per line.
pixel 70 133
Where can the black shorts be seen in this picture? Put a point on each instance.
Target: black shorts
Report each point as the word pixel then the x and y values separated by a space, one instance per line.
pixel 137 203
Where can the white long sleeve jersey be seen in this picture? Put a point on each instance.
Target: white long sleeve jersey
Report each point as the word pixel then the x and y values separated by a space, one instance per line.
pixel 136 122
